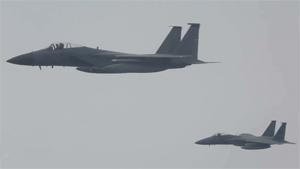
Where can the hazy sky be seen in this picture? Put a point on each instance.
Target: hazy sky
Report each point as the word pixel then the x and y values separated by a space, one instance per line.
pixel 65 118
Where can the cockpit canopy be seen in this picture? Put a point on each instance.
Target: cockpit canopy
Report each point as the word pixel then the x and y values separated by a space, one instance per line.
pixel 63 45
pixel 219 134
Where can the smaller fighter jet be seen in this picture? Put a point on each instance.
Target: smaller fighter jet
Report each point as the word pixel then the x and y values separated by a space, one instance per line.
pixel 249 141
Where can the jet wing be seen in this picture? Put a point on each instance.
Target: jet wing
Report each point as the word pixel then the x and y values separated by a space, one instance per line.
pixel 112 54
pixel 145 57
pixel 258 140
pixel 104 58
pixel 152 56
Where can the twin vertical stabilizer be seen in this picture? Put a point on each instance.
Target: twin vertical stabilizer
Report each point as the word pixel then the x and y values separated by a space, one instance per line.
pixel 189 43
pixel 187 46
pixel 279 136
pixel 269 132
pixel 171 41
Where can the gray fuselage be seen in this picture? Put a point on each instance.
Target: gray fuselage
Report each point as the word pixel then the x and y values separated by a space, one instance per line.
pixel 101 61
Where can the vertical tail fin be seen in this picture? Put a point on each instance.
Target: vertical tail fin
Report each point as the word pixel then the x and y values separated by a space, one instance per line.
pixel 279 136
pixel 269 132
pixel 189 43
pixel 171 41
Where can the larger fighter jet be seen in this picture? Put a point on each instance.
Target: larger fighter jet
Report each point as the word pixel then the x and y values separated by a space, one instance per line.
pixel 249 141
pixel 173 53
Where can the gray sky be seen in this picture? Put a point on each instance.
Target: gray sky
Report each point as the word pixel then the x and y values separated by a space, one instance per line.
pixel 65 118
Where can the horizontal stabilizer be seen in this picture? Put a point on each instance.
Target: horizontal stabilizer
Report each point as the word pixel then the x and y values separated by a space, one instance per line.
pixel 287 142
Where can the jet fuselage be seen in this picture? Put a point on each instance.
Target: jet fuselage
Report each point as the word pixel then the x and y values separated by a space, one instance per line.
pixel 99 61
pixel 173 53
pixel 249 141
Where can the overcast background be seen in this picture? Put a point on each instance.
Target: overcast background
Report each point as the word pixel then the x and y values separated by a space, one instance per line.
pixel 65 118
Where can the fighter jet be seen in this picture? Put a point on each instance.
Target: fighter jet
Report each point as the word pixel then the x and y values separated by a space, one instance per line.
pixel 248 141
pixel 173 53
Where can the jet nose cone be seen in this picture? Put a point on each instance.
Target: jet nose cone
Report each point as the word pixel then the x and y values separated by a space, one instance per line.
pixel 199 142
pixel 203 141
pixel 26 59
pixel 10 60
pixel 15 60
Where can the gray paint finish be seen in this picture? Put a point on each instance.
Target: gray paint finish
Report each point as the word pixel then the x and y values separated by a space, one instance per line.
pixel 63 118
pixel 249 141
pixel 173 53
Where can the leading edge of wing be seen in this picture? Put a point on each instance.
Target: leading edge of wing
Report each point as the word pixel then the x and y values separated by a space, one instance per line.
pixel 259 140
pixel 158 56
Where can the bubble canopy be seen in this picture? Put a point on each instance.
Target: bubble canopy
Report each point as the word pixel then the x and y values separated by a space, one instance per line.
pixel 63 45
pixel 219 134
